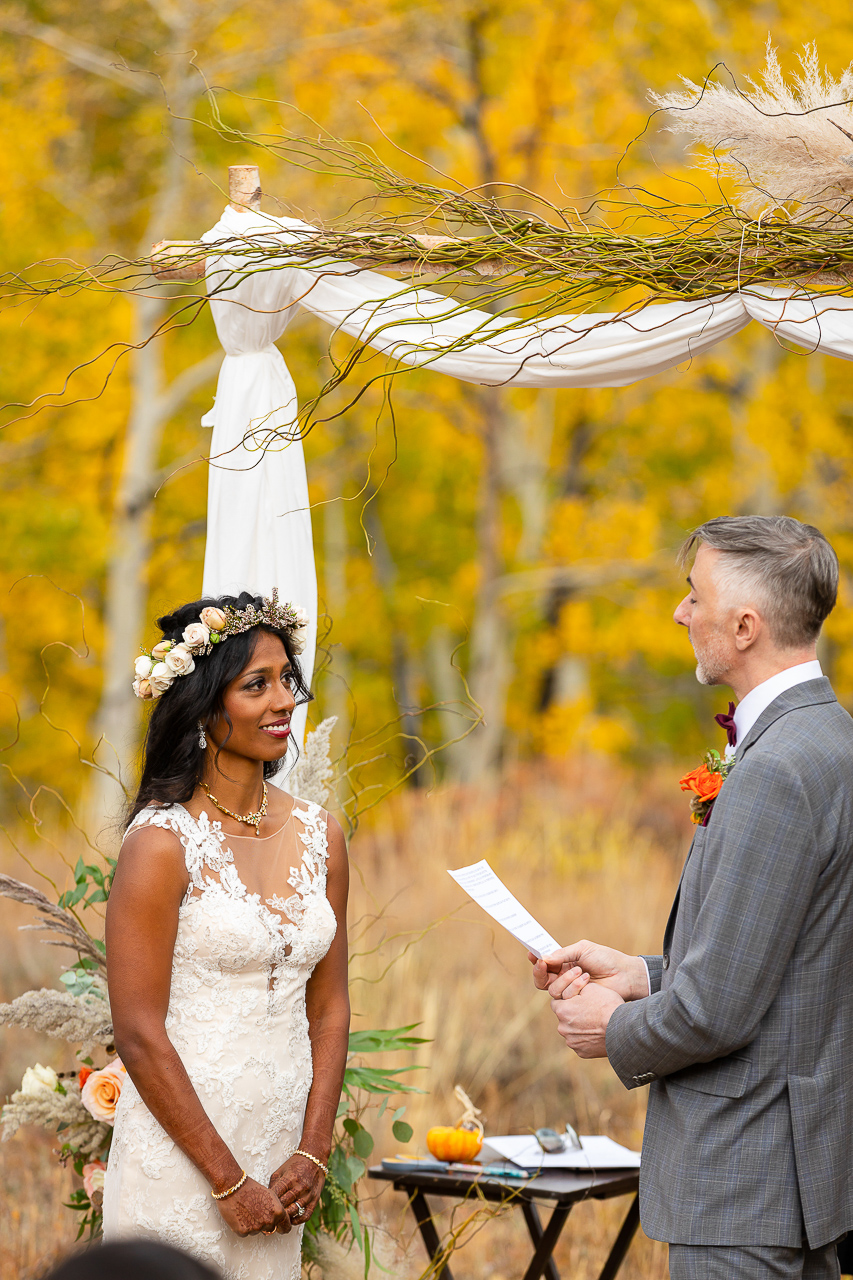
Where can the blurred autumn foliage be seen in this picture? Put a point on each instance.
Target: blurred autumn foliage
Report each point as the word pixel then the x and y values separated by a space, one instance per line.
pixel 522 539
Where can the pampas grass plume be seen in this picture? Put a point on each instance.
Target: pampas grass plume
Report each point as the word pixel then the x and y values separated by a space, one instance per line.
pixel 787 146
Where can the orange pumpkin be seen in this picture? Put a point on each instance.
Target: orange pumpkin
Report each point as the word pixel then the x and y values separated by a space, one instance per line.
pixel 447 1142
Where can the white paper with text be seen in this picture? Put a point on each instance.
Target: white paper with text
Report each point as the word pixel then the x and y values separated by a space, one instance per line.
pixel 489 892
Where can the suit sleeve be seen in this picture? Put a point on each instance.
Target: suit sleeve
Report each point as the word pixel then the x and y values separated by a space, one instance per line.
pixel 654 967
pixel 761 866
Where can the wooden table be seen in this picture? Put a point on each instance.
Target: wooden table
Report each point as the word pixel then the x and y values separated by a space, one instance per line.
pixel 562 1189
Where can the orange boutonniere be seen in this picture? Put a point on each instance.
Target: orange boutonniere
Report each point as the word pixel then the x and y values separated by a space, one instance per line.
pixel 706 783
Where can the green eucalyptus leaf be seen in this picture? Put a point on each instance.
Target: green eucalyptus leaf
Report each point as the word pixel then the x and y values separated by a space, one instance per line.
pixel 402 1131
pixel 339 1169
pixel 363 1143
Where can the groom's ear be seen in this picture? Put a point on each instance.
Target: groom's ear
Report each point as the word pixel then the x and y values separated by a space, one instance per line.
pixel 748 627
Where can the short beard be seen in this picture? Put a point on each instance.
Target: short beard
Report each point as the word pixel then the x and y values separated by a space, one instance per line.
pixel 712 664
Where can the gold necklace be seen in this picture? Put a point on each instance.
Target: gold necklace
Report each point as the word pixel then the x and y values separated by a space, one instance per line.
pixel 251 819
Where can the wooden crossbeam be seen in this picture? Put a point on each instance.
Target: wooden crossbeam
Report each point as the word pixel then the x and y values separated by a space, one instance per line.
pixel 183 261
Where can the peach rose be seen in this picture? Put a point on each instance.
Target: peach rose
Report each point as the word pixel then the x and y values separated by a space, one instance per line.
pixel 702 782
pixel 142 689
pixel 213 618
pixel 161 648
pixel 93 1177
pixel 102 1090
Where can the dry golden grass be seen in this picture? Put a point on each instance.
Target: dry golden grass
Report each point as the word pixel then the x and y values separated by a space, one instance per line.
pixel 592 855
pixel 588 850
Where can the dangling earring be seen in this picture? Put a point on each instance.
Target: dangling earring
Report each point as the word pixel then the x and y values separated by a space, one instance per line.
pixel 202 736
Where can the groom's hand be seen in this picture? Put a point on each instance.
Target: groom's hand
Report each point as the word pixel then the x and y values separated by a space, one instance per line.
pixel 571 967
pixel 582 1019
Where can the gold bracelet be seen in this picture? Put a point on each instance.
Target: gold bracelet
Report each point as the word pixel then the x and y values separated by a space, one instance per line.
pixel 308 1156
pixel 220 1195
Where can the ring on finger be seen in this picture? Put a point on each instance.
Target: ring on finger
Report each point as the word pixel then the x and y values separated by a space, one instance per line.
pixel 298 1207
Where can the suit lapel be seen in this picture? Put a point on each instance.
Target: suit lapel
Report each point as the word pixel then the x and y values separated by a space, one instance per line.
pixel 810 693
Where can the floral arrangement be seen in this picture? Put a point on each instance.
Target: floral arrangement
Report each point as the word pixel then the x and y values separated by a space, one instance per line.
pixel 706 782
pixel 158 668
pixel 81 1107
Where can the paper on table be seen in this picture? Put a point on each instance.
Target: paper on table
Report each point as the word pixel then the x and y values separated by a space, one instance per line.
pixel 598 1152
pixel 489 891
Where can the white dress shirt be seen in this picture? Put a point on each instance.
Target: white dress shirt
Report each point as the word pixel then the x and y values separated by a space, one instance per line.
pixel 757 700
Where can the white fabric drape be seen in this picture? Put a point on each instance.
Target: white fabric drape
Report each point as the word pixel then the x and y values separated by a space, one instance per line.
pixel 259 523
pixel 258 516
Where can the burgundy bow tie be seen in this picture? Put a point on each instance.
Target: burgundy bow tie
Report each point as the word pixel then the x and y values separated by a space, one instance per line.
pixel 727 722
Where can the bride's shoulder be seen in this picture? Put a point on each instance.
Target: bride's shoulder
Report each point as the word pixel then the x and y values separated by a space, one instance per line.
pixel 151 861
pixel 156 826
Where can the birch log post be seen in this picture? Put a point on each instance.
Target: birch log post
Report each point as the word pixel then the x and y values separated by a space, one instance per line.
pixel 183 261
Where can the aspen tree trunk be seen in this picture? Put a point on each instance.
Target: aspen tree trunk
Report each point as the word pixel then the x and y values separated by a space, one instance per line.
pixel 489 647
pixel 402 672
pixel 489 660
pixel 152 404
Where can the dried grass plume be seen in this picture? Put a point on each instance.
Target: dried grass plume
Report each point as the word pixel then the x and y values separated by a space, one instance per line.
pixel 80 1130
pixel 312 777
pixel 83 1020
pixel 788 147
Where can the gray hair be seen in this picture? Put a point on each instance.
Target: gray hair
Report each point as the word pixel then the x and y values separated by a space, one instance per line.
pixel 790 567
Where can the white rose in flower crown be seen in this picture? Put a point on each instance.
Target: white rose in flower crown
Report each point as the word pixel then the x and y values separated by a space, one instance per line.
pixel 302 616
pixel 102 1090
pixel 213 618
pixel 196 636
pixel 179 660
pixel 160 679
pixel 143 666
pixel 39 1079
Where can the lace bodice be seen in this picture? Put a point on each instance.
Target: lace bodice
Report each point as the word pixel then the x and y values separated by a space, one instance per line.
pixel 244 952
pixel 276 933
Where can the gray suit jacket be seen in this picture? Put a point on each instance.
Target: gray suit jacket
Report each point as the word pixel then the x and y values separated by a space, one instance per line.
pixel 747 1037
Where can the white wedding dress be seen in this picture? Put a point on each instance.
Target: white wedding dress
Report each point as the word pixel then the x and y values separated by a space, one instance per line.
pixel 243 955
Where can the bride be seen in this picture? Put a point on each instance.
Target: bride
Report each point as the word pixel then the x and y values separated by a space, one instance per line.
pixel 227 954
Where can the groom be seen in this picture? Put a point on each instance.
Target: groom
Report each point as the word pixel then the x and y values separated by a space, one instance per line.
pixel 743 1026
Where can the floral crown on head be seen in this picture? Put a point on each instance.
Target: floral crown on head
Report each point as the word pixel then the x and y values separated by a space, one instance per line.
pixel 158 668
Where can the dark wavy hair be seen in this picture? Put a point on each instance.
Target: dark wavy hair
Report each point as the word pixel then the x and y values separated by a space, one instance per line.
pixel 172 759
